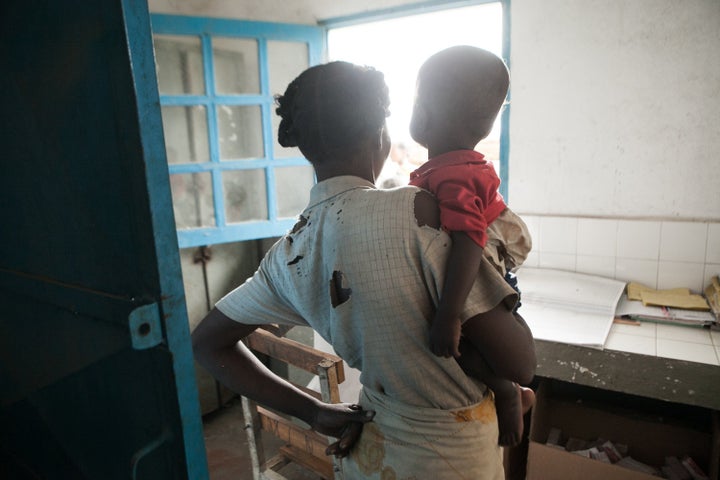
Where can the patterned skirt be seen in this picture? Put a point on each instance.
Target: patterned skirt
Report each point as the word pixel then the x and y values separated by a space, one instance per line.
pixel 405 442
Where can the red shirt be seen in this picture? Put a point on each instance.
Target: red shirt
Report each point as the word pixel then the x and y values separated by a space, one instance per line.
pixel 466 186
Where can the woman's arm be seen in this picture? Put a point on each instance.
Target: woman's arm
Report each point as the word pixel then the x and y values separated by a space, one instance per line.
pixel 217 347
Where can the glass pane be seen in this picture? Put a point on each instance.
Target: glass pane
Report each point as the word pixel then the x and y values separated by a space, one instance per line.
pixel 245 195
pixel 292 187
pixel 186 134
pixel 192 200
pixel 178 60
pixel 240 131
pixel 236 65
pixel 286 60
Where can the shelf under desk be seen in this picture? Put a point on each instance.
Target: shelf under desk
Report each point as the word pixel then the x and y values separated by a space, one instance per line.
pixel 641 363
pixel 672 380
pixel 678 381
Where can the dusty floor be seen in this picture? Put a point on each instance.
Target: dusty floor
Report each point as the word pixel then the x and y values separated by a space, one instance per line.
pixel 227 448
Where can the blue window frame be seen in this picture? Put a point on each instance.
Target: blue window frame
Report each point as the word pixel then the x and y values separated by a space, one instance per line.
pixel 217 78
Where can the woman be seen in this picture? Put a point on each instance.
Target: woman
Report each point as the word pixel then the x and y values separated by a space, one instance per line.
pixel 363 267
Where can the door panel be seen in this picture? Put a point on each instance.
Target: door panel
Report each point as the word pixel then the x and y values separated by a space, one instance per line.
pixel 96 374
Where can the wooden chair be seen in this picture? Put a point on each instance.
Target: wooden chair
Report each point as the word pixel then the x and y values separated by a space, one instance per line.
pixel 302 445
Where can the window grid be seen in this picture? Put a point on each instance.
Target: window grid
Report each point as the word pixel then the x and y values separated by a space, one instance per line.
pixel 206 29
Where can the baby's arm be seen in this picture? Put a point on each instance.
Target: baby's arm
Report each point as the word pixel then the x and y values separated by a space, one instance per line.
pixel 462 269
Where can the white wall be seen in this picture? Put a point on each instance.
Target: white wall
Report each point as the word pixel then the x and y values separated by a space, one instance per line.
pixel 614 137
pixel 616 108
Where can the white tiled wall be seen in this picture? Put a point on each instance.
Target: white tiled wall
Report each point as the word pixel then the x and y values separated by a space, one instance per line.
pixel 659 254
pixel 665 340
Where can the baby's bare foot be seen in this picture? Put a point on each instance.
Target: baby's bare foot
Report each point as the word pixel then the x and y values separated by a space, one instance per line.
pixel 510 410
pixel 527 399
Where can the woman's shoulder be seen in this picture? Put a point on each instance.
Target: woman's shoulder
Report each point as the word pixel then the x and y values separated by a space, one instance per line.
pixel 423 203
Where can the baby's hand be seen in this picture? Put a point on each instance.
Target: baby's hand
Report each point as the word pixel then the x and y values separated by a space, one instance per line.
pixel 445 337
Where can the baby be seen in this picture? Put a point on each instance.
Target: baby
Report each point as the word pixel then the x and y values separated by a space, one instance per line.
pixel 460 92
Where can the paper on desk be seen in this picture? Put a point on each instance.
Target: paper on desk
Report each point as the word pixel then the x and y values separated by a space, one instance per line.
pixel 680 298
pixel 636 290
pixel 686 302
pixel 637 311
pixel 568 307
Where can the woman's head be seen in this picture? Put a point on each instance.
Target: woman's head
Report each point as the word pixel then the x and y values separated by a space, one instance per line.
pixel 333 110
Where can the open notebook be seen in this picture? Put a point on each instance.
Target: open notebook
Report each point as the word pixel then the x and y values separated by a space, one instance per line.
pixel 568 307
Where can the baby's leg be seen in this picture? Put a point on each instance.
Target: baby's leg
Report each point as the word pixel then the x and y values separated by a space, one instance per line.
pixel 511 400
pixel 509 409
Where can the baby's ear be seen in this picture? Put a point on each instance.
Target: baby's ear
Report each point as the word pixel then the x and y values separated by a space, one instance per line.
pixel 419 123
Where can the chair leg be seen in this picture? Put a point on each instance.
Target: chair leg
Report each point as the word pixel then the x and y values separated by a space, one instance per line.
pixel 254 432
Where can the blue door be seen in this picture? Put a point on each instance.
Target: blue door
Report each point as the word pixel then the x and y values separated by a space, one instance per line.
pixel 96 373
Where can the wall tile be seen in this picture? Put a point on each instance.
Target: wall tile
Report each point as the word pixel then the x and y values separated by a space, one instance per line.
pixel 533 224
pixel 683 241
pixel 558 235
pixel 712 254
pixel 681 274
pixel 597 237
pixel 558 261
pixel 715 336
pixel 631 343
pixel 645 329
pixel 692 352
pixel 533 260
pixel 635 270
pixel 638 239
pixel 600 266
pixel 684 334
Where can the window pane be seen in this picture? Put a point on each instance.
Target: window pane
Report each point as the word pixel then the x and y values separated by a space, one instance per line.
pixel 240 132
pixel 186 134
pixel 286 60
pixel 245 195
pixel 178 60
pixel 292 186
pixel 192 200
pixel 236 65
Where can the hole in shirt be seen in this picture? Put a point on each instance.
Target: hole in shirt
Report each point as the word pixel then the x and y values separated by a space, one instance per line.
pixel 339 291
pixel 426 208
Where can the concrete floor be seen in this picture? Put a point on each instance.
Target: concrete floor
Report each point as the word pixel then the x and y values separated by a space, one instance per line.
pixel 227 449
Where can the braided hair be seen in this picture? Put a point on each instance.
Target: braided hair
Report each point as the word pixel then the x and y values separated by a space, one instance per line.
pixel 332 108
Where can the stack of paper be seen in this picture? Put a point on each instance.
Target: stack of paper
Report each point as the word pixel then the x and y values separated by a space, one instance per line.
pixel 677 305
pixel 568 307
pixel 635 310
pixel 680 298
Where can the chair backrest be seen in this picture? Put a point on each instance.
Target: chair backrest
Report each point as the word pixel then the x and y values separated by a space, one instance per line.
pixel 302 445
